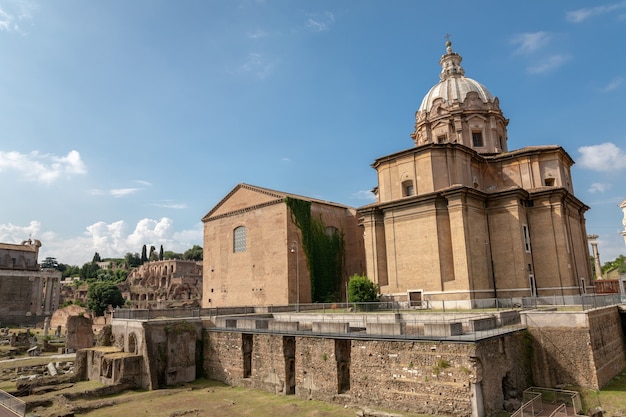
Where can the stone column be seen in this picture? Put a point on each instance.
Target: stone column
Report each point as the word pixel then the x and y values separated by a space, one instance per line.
pixel 593 241
pixel 48 297
pixel 39 294
pixel 56 294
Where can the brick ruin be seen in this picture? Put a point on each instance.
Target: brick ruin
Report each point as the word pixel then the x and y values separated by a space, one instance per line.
pixel 163 284
pixel 383 367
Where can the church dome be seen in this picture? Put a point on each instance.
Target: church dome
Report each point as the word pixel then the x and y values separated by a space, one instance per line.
pixel 460 110
pixel 454 85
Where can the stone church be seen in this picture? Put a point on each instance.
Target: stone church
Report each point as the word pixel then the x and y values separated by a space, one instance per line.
pixel 458 216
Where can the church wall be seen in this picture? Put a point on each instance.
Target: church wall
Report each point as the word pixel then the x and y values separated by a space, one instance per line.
pixel 412 252
pixel 344 220
pixel 373 231
pixel 257 276
pixel 510 260
pixel 551 252
pixel 577 241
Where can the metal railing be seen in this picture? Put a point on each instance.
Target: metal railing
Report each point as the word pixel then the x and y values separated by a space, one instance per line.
pixel 531 405
pixel 12 403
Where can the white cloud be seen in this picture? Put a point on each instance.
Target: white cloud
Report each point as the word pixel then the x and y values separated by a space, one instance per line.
pixel 549 64
pixel 171 205
pixel 364 195
pixel 321 23
pixel 580 15
pixel 598 187
pixel 42 168
pixel 256 64
pixel 122 192
pixel 604 157
pixel 613 85
pixel 13 13
pixel 530 42
pixel 110 240
pixel 10 233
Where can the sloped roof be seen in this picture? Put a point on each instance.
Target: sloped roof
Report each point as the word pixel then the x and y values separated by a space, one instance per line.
pixel 274 197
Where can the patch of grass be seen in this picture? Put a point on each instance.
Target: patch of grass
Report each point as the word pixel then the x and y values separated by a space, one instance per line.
pixel 612 398
pixel 204 398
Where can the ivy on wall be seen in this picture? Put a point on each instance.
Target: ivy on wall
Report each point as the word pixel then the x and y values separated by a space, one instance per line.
pixel 324 251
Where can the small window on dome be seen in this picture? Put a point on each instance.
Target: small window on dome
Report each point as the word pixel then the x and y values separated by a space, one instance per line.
pixel 441 139
pixel 477 139
pixel 549 182
pixel 407 188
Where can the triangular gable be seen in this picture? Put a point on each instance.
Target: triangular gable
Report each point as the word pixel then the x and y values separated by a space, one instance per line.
pixel 243 197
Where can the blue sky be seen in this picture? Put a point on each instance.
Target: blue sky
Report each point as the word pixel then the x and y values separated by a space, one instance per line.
pixel 124 122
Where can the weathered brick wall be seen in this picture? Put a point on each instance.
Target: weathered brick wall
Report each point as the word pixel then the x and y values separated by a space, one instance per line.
pixel 420 377
pixel 577 348
pixel 607 343
pixel 429 378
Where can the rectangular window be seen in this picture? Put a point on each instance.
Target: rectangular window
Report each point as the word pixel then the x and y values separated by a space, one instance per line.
pixel 526 238
pixel 477 139
pixel 441 139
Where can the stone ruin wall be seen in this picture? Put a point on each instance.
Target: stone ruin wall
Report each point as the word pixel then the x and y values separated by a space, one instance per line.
pixel 607 344
pixel 421 377
pixel 584 349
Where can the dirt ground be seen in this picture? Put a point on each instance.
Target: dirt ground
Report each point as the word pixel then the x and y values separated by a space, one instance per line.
pixel 202 398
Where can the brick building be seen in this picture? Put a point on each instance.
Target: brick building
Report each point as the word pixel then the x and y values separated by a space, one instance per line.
pixel 253 252
pixel 457 217
pixel 460 217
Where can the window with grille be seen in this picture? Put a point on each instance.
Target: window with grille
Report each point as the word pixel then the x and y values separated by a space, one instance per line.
pixel 239 239
pixel 477 139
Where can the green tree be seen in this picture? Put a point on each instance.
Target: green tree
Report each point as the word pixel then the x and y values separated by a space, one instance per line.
pixel 193 254
pixel 168 254
pixel 96 257
pixel 49 263
pixel 132 260
pixel 144 254
pixel 69 270
pixel 101 294
pixel 161 253
pixel 361 289
pixel 89 270
pixel 153 255
pixel 619 263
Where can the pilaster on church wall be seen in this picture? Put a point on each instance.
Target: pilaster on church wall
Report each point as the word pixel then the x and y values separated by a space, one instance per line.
pixel 578 241
pixel 412 252
pixel 459 226
pixel 508 254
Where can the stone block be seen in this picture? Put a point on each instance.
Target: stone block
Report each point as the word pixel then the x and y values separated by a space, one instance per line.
pixel 443 329
pixel 385 329
pixel 331 327
pixel 485 323
pixel 284 326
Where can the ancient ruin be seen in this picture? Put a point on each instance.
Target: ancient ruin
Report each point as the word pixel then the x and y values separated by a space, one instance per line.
pixel 162 284
pixel 28 294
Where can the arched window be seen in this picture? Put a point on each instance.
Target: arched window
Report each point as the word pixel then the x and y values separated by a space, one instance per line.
pixel 239 239
pixel 331 231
